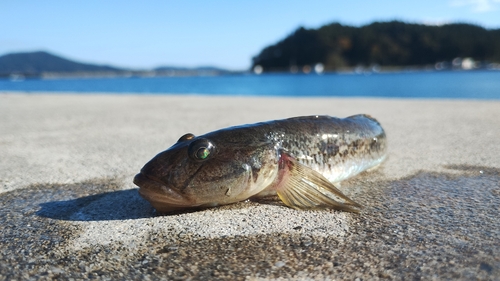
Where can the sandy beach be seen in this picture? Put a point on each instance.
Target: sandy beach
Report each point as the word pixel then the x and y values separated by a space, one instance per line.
pixel 69 209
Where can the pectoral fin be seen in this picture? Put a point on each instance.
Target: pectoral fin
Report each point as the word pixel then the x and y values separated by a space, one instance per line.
pixel 300 187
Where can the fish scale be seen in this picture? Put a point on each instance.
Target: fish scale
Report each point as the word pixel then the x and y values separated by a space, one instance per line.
pixel 337 148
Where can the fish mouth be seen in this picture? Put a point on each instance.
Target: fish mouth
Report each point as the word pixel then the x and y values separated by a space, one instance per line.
pixel 163 198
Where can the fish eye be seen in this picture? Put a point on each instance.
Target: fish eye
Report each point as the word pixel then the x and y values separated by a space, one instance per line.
pixel 186 137
pixel 201 149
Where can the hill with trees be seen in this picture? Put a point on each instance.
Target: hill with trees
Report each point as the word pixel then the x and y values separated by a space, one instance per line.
pixel 386 44
pixel 36 63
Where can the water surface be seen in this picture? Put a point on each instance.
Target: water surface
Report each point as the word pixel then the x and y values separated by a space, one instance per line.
pixel 451 84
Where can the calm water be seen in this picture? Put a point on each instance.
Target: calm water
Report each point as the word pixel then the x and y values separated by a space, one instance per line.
pixel 468 85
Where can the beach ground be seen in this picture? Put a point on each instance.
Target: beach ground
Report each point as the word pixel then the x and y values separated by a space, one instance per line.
pixel 69 209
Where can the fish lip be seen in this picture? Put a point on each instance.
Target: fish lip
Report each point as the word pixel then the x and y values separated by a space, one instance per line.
pixel 163 198
pixel 140 179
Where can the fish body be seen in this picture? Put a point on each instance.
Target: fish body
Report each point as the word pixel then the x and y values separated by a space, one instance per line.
pixel 300 159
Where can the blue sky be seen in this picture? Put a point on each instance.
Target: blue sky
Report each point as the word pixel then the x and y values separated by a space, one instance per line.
pixel 146 34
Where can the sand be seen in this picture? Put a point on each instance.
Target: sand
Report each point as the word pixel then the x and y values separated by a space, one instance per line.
pixel 69 209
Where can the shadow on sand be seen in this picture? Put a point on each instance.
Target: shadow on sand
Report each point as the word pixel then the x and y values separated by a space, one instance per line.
pixel 114 205
pixel 93 200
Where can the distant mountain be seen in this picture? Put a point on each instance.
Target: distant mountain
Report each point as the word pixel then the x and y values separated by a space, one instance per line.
pixel 191 71
pixel 395 43
pixel 35 63
pixel 202 68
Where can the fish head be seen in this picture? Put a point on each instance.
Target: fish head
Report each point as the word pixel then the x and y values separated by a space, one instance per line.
pixel 210 170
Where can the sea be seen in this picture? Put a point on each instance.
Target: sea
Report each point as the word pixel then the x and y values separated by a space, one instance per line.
pixel 477 84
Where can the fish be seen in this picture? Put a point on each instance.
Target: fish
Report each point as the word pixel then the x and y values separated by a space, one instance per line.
pixel 302 160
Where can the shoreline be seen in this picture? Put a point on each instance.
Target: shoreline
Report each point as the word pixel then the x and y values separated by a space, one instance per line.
pixel 68 161
pixel 357 70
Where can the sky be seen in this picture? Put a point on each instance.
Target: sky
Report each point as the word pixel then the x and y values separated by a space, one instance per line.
pixel 151 33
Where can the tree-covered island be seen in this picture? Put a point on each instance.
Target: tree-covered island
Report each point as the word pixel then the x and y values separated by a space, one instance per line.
pixel 387 45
